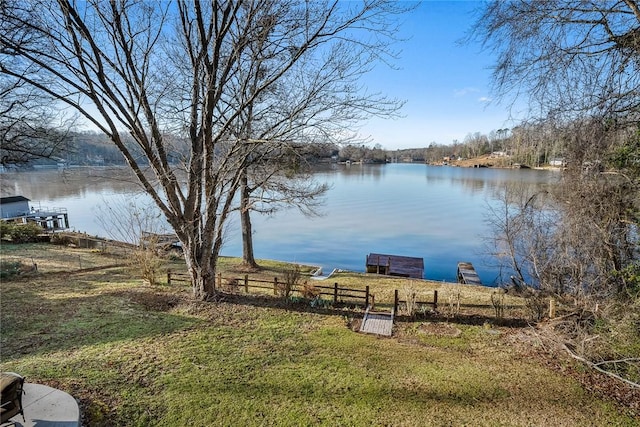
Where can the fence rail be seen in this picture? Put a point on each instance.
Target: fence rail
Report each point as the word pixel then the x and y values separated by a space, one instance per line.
pixel 397 301
pixel 337 293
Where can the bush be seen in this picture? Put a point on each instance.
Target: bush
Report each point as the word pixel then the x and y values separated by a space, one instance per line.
pixel 629 282
pixel 537 304
pixel 411 301
pixel 497 301
pixel 231 286
pixel 59 239
pixel 5 229
pixel 309 291
pixel 20 233
pixel 9 269
pixel 148 262
pixel 291 278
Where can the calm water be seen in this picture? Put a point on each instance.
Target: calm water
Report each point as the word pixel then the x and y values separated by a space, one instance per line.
pixel 437 213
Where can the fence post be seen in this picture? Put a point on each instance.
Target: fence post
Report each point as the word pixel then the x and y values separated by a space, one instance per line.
pixel 169 276
pixel 395 301
pixel 335 292
pixel 435 300
pixel 373 301
pixel 366 297
pixel 275 286
pixel 219 282
pixel 246 283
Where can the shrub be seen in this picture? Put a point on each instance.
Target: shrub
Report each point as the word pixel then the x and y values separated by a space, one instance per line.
pixel 9 269
pixel 231 286
pixel 59 239
pixel 5 229
pixel 292 276
pixel 629 282
pixel 20 233
pixel 411 301
pixel 309 291
pixel 537 304
pixel 497 301
pixel 147 259
pixel 452 306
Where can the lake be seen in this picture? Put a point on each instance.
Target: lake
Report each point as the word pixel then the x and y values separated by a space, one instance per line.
pixel 432 212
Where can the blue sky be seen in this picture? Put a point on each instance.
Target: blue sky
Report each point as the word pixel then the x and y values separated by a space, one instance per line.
pixel 446 85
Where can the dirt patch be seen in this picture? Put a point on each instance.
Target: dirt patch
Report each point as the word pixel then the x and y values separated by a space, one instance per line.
pixel 245 269
pixel 439 329
pixel 354 324
pixel 153 300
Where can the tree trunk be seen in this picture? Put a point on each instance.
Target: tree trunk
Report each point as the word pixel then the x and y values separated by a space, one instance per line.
pixel 248 258
pixel 202 272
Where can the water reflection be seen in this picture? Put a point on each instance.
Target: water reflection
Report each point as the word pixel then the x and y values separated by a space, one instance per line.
pixel 403 209
pixel 54 184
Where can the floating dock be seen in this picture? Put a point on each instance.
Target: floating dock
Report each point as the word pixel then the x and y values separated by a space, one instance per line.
pixel 467 274
pixel 395 265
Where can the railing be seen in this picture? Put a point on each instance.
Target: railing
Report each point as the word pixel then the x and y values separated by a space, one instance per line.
pixel 335 292
pixel 44 209
pixel 397 301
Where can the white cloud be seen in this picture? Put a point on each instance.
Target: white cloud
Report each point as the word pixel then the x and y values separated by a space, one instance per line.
pixel 484 99
pixel 464 91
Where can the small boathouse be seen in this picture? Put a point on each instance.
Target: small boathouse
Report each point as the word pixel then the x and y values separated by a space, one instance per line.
pixel 16 209
pixel 395 265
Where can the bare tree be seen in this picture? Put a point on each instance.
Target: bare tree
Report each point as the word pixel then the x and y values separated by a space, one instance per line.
pixel 319 101
pixel 574 58
pixel 573 238
pixel 142 226
pixel 30 126
pixel 272 185
pixel 149 68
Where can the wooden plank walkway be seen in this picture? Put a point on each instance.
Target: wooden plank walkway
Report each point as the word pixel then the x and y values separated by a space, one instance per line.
pixel 377 323
pixel 467 274
pixel 395 265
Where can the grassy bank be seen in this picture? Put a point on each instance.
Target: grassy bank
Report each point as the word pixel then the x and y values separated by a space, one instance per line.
pixel 139 355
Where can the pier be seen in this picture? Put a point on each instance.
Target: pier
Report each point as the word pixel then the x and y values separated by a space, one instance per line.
pixel 467 274
pixel 395 265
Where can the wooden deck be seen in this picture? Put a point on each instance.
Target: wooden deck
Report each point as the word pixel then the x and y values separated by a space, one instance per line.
pixel 377 323
pixel 467 274
pixel 395 265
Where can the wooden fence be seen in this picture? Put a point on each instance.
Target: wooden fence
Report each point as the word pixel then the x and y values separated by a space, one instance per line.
pixel 397 301
pixel 335 292
pixel 232 284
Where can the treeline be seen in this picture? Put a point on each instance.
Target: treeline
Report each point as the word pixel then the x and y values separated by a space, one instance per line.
pixel 530 144
pixel 533 144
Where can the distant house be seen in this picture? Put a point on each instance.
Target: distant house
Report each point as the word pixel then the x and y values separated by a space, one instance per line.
pixel 16 209
pixel 557 161
pixel 13 206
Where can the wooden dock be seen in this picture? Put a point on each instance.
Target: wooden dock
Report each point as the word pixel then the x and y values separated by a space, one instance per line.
pixel 378 323
pixel 395 265
pixel 467 274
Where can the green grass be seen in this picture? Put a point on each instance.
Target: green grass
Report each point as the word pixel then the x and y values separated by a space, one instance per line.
pixel 137 355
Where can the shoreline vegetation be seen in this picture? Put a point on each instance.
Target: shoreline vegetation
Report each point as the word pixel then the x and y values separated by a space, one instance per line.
pixel 135 354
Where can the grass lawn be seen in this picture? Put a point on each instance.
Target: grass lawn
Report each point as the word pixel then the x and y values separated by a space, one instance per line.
pixel 140 355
